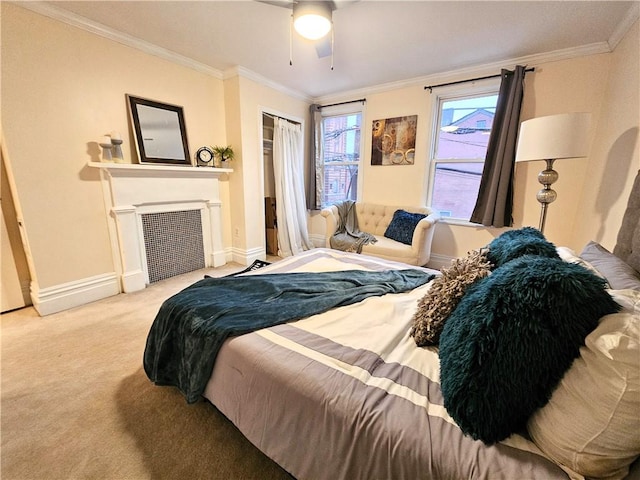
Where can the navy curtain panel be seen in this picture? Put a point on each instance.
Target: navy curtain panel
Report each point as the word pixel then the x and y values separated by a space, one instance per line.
pixel 494 206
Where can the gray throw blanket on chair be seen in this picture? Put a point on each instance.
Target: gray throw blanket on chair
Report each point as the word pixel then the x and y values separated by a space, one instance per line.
pixel 348 236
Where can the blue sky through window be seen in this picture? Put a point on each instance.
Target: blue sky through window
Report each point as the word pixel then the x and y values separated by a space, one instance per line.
pixel 467 105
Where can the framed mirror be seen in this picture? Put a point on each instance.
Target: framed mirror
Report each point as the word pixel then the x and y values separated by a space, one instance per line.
pixel 159 128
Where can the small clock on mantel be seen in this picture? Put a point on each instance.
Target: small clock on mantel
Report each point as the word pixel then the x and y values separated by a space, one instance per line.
pixel 204 157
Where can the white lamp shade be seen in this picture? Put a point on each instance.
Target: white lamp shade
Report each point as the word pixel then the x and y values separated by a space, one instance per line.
pixel 312 20
pixel 554 137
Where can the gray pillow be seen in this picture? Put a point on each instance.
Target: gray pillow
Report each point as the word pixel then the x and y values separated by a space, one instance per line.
pixel 619 275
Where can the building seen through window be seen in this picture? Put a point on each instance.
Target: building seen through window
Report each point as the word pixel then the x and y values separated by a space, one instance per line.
pixel 341 147
pixel 459 151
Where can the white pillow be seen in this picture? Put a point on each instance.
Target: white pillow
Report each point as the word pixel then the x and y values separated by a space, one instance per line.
pixel 568 255
pixel 592 421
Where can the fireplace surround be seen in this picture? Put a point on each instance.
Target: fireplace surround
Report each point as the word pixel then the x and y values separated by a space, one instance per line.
pixel 133 190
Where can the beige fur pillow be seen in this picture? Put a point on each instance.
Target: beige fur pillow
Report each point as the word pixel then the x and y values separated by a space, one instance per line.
pixel 445 294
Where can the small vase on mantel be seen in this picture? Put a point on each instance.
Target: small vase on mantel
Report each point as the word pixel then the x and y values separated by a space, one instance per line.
pixel 105 143
pixel 116 141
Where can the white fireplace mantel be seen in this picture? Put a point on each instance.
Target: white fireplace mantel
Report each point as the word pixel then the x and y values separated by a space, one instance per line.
pixel 160 170
pixel 131 190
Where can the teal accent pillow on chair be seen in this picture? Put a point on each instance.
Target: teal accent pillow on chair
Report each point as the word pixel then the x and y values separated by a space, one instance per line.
pixel 402 226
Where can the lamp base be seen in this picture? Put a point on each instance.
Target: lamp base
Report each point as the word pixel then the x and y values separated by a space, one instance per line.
pixel 547 195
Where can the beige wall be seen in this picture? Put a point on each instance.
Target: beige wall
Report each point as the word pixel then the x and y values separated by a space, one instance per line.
pixel 591 199
pixel 246 100
pixel 615 159
pixel 62 89
pixel 575 85
pixel 397 185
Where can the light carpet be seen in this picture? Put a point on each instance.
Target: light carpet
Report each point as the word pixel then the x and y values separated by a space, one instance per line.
pixel 76 403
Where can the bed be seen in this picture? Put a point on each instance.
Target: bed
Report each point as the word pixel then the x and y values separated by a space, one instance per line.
pixel 347 393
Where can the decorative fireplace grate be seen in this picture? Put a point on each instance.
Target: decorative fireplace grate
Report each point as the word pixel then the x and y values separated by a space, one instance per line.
pixel 173 243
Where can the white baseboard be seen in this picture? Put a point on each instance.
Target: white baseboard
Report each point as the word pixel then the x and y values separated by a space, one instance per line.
pixel 218 258
pixel 134 281
pixel 246 257
pixel 318 241
pixel 439 261
pixel 73 294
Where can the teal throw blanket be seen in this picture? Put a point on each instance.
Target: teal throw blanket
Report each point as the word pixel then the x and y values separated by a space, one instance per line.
pixel 191 326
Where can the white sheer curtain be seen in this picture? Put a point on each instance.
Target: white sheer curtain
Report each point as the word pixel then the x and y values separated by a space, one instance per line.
pixel 288 167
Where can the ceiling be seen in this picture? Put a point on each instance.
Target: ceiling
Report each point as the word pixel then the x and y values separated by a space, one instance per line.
pixel 376 42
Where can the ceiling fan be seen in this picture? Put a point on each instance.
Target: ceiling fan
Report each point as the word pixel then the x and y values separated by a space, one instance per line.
pixel 313 20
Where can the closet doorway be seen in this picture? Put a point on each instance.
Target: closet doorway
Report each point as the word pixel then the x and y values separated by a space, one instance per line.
pixel 271 224
pixel 286 230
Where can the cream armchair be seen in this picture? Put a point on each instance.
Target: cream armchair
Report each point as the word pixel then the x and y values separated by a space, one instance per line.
pixel 375 219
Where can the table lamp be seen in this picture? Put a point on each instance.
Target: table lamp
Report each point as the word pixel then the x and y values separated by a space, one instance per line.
pixel 551 138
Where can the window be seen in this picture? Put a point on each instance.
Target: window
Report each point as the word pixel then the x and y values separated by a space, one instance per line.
pixel 341 156
pixel 459 148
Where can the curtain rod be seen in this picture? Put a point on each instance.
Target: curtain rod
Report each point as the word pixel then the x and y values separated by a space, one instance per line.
pixel 344 103
pixel 273 117
pixel 431 87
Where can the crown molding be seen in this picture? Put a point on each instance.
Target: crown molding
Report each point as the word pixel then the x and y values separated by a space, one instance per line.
pixel 239 71
pixel 96 28
pixel 625 25
pixel 475 71
pixel 83 23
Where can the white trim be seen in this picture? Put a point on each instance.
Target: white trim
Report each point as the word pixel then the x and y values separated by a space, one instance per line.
pixel 262 111
pixel 438 262
pixel 239 71
pixel 475 71
pixel 228 254
pixel 212 218
pixel 350 108
pixel 623 27
pixel 64 16
pixel 317 240
pixel 462 223
pixel 133 189
pixel 133 280
pixel 146 170
pixel 56 13
pixel 278 113
pixel 246 257
pixel 462 91
pixel 73 294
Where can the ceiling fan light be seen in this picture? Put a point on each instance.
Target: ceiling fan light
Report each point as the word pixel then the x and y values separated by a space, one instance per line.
pixel 312 20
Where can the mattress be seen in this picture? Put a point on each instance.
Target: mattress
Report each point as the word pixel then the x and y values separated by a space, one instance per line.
pixel 347 394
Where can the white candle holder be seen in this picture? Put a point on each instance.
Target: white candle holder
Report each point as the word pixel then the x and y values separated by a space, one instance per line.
pixel 117 149
pixel 106 145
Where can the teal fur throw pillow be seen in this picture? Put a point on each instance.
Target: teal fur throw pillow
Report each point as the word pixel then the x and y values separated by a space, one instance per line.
pixel 402 226
pixel 511 338
pixel 516 243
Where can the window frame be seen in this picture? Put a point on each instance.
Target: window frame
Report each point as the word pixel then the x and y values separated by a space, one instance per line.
pixel 344 110
pixel 486 88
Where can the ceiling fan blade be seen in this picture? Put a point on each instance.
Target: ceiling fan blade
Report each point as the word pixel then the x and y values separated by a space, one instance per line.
pixel 323 47
pixel 335 5
pixel 278 3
